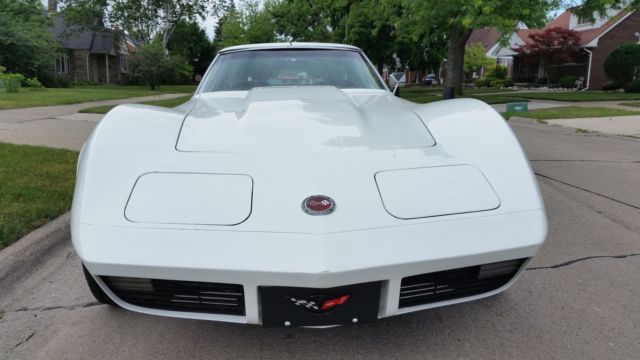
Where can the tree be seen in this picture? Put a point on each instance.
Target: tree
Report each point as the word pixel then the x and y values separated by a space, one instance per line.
pixel 459 17
pixel 420 47
pixel 367 24
pixel 150 64
pixel 144 20
pixel 623 64
pixel 26 44
pixel 258 23
pixel 248 24
pixel 301 20
pixel 190 41
pixel 551 47
pixel 475 58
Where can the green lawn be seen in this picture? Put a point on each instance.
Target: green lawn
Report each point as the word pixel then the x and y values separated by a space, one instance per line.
pixel 421 95
pixel 636 104
pixel 46 97
pixel 164 103
pixel 496 99
pixel 427 94
pixel 36 186
pixel 577 96
pixel 570 112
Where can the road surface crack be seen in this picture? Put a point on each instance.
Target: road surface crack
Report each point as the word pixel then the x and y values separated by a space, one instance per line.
pixel 570 262
pixel 587 190
pixel 58 307
pixel 25 340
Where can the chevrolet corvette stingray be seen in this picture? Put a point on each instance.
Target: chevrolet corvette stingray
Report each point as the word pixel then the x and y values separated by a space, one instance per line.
pixel 295 189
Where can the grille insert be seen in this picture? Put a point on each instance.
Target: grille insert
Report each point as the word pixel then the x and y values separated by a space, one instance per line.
pixel 457 283
pixel 188 296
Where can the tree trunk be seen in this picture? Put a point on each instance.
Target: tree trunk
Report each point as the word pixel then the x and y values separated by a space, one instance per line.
pixel 455 57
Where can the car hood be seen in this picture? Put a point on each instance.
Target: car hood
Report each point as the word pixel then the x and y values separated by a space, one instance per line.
pixel 303 120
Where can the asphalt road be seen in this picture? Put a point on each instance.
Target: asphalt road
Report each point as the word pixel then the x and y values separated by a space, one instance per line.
pixel 580 298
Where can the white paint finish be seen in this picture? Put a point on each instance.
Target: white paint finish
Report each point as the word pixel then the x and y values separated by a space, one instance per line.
pixel 279 244
pixel 436 191
pixel 300 120
pixel 175 198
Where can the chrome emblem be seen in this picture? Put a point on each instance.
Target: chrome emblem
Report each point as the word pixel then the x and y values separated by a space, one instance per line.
pixel 318 205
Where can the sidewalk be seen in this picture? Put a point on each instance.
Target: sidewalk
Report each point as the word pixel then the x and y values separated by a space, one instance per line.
pixel 59 126
pixel 618 125
pixel 546 104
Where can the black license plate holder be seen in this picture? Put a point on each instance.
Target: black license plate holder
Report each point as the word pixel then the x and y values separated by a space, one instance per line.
pixel 297 306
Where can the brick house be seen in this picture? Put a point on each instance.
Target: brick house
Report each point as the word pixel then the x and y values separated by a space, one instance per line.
pixel 598 39
pixel 94 56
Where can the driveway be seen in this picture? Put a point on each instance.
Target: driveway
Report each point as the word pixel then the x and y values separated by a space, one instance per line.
pixel 577 300
pixel 58 126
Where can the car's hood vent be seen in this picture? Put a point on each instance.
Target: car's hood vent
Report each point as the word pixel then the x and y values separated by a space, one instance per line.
pixel 301 120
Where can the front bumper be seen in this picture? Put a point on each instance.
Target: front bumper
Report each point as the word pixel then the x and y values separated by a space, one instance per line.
pixel 255 260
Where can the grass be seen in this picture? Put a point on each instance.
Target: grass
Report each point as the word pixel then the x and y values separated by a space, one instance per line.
pixel 164 103
pixel 47 97
pixel 636 104
pixel 422 95
pixel 578 96
pixel 496 99
pixel 36 186
pixel 570 112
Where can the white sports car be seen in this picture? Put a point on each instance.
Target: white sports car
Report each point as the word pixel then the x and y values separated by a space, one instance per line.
pixel 294 189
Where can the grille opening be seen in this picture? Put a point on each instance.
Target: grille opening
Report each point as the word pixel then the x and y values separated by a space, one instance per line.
pixel 456 283
pixel 177 295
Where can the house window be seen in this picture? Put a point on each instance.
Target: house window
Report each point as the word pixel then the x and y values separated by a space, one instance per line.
pixel 62 64
pixel 584 21
pixel 123 64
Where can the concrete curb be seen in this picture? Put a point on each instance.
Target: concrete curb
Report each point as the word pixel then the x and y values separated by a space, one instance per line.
pixel 21 257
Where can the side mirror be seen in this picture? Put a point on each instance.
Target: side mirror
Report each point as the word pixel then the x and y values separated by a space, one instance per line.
pixel 396 88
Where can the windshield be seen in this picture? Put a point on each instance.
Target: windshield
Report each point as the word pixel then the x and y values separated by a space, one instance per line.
pixel 244 70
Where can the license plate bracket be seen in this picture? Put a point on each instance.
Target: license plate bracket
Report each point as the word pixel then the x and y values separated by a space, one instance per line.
pixel 297 306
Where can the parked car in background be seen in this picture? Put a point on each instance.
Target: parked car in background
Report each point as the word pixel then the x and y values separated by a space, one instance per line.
pixel 429 80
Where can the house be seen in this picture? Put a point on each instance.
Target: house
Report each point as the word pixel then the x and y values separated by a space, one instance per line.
pixel 94 56
pixel 490 39
pixel 597 39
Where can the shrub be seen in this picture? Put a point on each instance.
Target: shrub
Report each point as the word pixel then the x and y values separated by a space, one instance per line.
pixel 85 82
pixel 568 82
pixel 33 83
pixel 499 83
pixel 622 64
pixel 12 82
pixel 611 86
pixel 2 69
pixel 542 80
pixel 633 86
pixel 152 65
pixel 483 83
pixel 62 82
pixel 499 72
